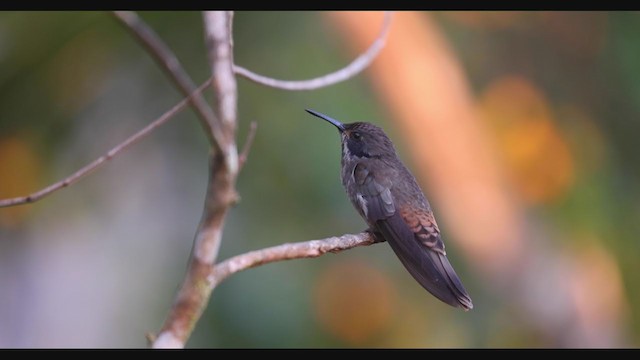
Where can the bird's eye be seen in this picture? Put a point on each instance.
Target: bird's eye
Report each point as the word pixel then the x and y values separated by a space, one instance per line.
pixel 356 135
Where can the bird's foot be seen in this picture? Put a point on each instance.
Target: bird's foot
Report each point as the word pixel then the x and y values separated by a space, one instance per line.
pixel 377 237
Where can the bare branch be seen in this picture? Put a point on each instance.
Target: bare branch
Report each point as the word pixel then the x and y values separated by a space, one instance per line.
pixel 193 295
pixel 300 250
pixel 171 65
pixel 108 156
pixel 247 144
pixel 355 67
pixel 219 44
pixel 224 166
pixel 202 275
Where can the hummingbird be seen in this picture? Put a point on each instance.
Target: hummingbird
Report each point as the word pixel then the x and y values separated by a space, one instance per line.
pixel 388 198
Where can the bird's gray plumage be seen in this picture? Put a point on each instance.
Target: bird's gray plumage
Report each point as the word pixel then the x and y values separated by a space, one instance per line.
pixel 388 197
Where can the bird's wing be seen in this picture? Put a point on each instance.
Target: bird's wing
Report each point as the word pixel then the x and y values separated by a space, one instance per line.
pixel 377 202
pixel 426 256
pixel 424 226
pixel 413 235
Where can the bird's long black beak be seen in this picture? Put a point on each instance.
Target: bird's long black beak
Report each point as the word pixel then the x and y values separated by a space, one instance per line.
pixel 335 122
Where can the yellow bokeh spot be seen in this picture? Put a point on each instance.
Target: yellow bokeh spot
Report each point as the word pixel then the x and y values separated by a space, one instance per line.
pixel 19 171
pixel 354 301
pixel 535 151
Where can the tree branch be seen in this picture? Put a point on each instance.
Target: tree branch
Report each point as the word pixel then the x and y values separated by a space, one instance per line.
pixel 165 57
pixel 171 65
pixel 193 295
pixel 355 67
pixel 224 163
pixel 108 156
pixel 202 276
pixel 290 251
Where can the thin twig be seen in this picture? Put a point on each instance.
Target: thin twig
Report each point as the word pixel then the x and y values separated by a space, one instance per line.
pixel 349 71
pixel 299 250
pixel 253 126
pixel 171 65
pixel 108 156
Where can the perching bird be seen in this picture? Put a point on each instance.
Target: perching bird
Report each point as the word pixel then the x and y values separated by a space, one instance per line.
pixel 388 197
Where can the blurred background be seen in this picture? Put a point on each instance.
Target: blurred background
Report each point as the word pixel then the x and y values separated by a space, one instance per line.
pixel 521 127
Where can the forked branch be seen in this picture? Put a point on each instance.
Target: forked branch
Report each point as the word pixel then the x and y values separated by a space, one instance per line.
pixel 170 64
pixel 202 274
pixel 193 295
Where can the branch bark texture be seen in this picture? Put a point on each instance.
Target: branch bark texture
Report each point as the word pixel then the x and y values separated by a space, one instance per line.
pixel 289 251
pixel 194 293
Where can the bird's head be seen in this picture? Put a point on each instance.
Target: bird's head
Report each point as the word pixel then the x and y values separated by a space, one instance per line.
pixel 361 139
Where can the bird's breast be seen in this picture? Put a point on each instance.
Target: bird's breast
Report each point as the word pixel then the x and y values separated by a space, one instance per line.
pixel 358 200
